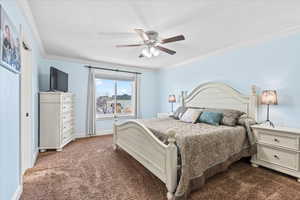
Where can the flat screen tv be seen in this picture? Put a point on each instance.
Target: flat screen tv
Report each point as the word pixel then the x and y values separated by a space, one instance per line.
pixel 58 80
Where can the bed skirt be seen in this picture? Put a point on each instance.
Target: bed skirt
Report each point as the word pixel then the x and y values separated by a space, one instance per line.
pixel 198 182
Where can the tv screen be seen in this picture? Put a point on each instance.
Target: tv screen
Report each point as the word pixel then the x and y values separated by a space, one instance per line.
pixel 58 80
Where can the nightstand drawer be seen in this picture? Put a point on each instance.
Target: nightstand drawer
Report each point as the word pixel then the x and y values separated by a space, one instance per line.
pixel 284 158
pixel 278 139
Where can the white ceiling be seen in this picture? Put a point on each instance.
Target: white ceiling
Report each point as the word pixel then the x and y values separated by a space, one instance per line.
pixel 90 29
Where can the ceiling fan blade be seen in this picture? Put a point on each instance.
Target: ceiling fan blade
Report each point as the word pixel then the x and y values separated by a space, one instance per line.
pixel 129 45
pixel 173 39
pixel 142 34
pixel 169 51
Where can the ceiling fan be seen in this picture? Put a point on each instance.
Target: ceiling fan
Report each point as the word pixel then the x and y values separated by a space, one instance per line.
pixel 152 43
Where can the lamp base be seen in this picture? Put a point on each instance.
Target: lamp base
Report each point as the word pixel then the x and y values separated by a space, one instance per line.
pixel 268 123
pixel 172 107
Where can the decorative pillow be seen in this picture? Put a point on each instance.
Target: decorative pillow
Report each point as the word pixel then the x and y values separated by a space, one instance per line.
pixel 213 118
pixel 245 119
pixel 201 108
pixel 191 115
pixel 230 117
pixel 179 112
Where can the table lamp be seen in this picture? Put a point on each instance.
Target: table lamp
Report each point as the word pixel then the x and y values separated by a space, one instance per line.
pixel 172 100
pixel 269 97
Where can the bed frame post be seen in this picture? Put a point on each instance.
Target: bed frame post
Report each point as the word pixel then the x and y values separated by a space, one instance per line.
pixel 253 103
pixel 171 165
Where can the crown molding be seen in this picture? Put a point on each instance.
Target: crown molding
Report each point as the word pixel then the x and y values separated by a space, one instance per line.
pixel 286 32
pixel 23 4
pixel 99 62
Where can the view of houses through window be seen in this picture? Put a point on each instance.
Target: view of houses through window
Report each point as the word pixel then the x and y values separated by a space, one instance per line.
pixel 114 97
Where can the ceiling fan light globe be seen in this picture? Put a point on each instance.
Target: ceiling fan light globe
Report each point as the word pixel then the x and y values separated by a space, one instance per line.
pixel 146 52
pixel 154 51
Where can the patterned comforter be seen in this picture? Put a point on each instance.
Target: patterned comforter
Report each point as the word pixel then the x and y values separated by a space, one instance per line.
pixel 204 149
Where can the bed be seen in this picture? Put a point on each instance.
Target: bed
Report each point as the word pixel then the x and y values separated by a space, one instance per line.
pixel 160 145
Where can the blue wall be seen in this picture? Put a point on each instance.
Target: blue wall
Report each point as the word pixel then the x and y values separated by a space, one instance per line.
pixel 272 65
pixel 78 81
pixel 9 133
pixel 10 111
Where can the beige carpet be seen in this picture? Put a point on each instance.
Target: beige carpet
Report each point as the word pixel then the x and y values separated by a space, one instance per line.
pixel 89 169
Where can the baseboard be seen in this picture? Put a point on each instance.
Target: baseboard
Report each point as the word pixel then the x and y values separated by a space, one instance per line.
pixel 34 157
pixel 80 135
pixel 18 192
pixel 104 132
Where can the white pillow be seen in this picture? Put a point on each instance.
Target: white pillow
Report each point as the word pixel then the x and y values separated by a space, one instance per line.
pixel 191 115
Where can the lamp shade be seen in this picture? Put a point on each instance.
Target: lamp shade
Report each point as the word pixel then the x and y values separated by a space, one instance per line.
pixel 269 97
pixel 172 98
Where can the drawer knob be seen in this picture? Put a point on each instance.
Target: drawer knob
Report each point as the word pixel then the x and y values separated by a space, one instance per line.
pixel 276 140
pixel 275 156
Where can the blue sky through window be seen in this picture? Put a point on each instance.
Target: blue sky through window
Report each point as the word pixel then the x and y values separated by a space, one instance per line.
pixel 106 87
pixel 124 87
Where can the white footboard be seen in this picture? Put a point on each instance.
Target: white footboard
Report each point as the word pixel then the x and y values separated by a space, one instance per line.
pixel 140 143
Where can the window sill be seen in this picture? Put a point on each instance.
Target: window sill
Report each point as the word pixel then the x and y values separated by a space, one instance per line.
pixel 112 118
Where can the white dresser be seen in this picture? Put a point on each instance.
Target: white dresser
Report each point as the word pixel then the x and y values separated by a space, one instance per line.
pixel 56 120
pixel 278 148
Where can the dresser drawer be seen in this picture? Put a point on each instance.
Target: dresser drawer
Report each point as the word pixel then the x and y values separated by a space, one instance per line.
pixel 67 133
pixel 66 136
pixel 278 139
pixel 66 108
pixel 67 126
pixel 284 158
pixel 67 116
pixel 50 98
pixel 67 99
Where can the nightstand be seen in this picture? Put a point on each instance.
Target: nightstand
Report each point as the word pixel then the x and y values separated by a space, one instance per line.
pixel 163 115
pixel 278 149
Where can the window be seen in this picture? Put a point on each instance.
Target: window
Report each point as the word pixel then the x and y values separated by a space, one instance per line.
pixel 115 97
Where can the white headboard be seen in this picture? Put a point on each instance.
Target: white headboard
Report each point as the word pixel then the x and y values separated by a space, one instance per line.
pixel 220 95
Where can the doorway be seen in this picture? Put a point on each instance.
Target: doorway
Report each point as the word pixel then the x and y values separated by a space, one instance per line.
pixel 26 108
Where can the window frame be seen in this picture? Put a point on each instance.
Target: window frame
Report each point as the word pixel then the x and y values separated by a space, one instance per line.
pixel 134 98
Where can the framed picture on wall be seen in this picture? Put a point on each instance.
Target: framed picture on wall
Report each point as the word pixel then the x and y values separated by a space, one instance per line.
pixel 10 50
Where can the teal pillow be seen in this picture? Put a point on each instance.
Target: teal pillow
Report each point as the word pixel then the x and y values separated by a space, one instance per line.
pixel 213 118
